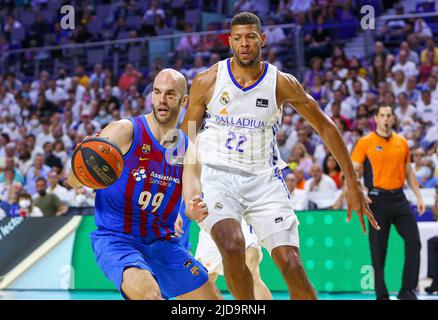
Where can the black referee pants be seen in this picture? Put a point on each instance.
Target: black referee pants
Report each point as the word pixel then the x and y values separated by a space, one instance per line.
pixel 394 209
pixel 432 258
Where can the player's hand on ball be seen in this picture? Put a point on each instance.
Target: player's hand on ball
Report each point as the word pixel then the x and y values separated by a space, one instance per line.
pixel 357 201
pixel 198 209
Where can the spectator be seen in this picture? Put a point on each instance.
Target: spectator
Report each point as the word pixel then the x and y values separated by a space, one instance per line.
pixel 297 196
pixel 412 55
pixel 300 178
pixel 38 170
pixel 345 108
pixel 395 29
pixel 10 165
pixel 411 89
pixel 60 152
pixel 98 75
pixel 45 136
pixel 63 81
pixel 85 120
pixel 378 71
pixel 321 189
pixel 198 67
pixel 430 47
pixel 318 42
pixel 427 109
pixel 316 70
pixel 274 35
pixel 81 197
pixel 417 157
pixel 49 203
pixel 404 110
pixel 152 12
pixel 332 169
pixel 82 77
pixel 425 175
pixel 382 52
pixel 432 84
pixel 408 67
pixel 398 83
pixel 45 108
pixel 54 187
pixel 54 93
pixel 300 158
pixel 426 66
pixel 190 42
pixel 25 207
pixel 58 135
pixel 129 77
pixel 357 98
pixel 421 30
pixel 51 160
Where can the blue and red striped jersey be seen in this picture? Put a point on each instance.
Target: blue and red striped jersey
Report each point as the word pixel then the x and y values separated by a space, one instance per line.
pixel 146 198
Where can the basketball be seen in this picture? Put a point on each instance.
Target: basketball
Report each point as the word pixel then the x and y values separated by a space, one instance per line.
pixel 97 163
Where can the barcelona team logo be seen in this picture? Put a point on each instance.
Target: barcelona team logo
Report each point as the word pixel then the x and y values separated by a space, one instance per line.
pixel 225 98
pixel 195 270
pixel 146 148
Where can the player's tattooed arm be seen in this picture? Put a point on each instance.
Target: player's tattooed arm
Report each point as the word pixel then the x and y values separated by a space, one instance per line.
pixel 290 90
pixel 196 208
pixel 119 132
pixel 201 91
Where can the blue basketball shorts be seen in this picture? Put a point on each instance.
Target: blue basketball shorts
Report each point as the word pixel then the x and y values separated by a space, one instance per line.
pixel 171 264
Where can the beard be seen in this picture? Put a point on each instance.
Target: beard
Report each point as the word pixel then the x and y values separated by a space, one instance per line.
pixel 247 63
pixel 172 115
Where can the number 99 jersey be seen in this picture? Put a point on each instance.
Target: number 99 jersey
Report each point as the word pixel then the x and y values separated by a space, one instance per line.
pixel 241 123
pixel 146 198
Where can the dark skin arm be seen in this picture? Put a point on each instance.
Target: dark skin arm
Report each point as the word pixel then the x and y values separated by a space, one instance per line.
pixel 290 90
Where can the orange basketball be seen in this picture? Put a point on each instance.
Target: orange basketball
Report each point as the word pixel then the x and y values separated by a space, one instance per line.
pixel 97 163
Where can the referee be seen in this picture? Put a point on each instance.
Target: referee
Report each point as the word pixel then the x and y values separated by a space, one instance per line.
pixel 384 157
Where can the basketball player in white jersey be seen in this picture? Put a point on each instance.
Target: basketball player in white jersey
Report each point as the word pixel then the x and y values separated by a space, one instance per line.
pixel 241 99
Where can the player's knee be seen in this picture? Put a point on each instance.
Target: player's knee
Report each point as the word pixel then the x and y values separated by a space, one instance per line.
pixel 290 261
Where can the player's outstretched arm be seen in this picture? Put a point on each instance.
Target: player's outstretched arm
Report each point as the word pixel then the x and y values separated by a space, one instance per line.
pixel 290 90
pixel 196 209
pixel 119 132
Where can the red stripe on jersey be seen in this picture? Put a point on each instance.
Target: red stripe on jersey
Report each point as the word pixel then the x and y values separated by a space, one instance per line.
pixel 144 213
pixel 162 189
pixel 176 195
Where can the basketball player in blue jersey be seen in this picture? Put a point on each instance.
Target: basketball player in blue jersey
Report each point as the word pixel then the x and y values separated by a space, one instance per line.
pixel 135 243
pixel 240 102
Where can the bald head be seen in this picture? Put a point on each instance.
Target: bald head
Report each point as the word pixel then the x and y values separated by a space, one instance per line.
pixel 174 78
pixel 168 95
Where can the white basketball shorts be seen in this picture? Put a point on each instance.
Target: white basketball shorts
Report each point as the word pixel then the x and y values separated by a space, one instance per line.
pixel 262 200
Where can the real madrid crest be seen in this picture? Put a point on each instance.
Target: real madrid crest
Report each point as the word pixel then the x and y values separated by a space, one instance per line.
pixel 146 148
pixel 225 98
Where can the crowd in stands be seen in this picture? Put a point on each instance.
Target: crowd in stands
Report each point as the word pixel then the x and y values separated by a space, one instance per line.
pixel 42 119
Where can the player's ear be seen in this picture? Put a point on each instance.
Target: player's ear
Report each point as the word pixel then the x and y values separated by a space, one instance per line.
pixel 263 36
pixel 184 101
